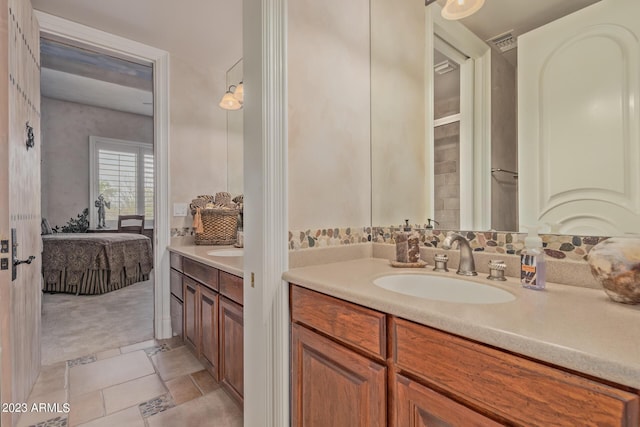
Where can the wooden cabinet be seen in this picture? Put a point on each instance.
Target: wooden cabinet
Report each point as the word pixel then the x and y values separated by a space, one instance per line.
pixel 334 386
pixel 507 386
pixel 232 347
pixel 206 308
pixel 435 378
pixel 190 313
pixel 209 329
pixel 336 383
pixel 419 406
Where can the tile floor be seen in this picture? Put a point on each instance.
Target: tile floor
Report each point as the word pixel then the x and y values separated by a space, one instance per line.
pixel 148 384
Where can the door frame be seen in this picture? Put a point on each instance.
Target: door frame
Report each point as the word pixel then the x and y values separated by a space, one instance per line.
pixel 475 104
pixel 102 41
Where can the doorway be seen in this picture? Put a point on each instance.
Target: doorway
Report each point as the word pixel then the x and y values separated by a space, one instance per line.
pixel 473 57
pixel 97 127
pixel 61 29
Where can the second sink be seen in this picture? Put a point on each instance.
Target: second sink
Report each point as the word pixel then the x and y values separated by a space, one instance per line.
pixel 226 252
pixel 440 288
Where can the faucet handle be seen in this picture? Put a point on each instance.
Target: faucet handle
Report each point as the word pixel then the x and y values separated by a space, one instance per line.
pixel 496 270
pixel 441 262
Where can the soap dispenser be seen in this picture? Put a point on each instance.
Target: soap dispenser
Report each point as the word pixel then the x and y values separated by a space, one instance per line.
pixel 532 263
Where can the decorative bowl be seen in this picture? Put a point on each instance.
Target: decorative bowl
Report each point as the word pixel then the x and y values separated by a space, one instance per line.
pixel 615 263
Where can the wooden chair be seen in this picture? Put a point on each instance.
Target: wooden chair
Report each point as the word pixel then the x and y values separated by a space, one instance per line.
pixel 136 228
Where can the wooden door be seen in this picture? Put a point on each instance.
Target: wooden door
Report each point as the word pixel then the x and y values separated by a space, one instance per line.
pixel 579 122
pixel 419 406
pixel 20 299
pixel 209 329
pixel 334 386
pixel 190 312
pixel 232 347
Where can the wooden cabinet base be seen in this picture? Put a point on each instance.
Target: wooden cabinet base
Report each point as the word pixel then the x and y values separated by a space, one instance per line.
pixel 435 379
pixel 209 344
pixel 334 386
pixel 232 348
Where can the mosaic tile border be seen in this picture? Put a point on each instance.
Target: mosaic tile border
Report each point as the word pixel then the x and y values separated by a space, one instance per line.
pixel 182 232
pixel 53 422
pixel 556 246
pixel 83 360
pixel 156 405
pixel 324 237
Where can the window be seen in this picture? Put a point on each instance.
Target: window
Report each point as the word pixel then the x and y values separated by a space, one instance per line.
pixel 123 172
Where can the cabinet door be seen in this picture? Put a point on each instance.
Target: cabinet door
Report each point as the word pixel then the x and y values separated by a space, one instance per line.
pixel 175 306
pixel 419 406
pixel 190 312
pixel 334 386
pixel 231 347
pixel 175 283
pixel 209 329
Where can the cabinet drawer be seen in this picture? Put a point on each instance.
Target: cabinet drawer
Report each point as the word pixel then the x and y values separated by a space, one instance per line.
pixel 175 260
pixel 416 405
pixel 231 287
pixel 351 324
pixel 202 273
pixel 175 283
pixel 517 389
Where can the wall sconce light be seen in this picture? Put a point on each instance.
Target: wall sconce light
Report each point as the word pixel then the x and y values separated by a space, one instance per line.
pixel 231 100
pixel 458 9
pixel 239 93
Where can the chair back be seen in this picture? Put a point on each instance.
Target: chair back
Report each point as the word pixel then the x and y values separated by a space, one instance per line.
pixel 131 224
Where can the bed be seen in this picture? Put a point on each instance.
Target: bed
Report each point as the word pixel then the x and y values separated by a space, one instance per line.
pixel 92 264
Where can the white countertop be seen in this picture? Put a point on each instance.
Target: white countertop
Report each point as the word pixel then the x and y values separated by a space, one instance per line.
pixel 576 328
pixel 230 264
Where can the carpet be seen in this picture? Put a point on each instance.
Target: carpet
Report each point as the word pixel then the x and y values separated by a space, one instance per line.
pixel 77 325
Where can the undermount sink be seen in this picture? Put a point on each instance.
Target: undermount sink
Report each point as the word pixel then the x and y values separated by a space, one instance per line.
pixel 227 252
pixel 441 288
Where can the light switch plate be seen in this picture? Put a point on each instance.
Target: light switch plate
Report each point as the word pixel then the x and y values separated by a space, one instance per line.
pixel 180 209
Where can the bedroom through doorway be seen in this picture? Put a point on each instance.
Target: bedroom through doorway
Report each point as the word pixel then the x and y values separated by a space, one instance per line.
pixel 97 167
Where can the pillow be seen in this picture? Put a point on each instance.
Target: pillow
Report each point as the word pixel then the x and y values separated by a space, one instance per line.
pixel 45 228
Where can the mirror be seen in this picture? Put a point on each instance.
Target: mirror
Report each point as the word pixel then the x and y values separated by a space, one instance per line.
pixel 406 130
pixel 235 138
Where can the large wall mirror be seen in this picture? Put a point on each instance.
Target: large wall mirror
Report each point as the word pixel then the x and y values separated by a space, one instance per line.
pixel 235 139
pixel 523 113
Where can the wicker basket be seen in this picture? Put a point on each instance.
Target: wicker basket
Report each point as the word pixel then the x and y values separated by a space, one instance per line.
pixel 220 227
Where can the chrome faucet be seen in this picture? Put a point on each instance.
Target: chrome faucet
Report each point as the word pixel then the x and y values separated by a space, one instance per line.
pixel 466 267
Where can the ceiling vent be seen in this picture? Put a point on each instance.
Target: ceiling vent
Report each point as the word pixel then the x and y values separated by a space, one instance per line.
pixel 504 42
pixel 445 67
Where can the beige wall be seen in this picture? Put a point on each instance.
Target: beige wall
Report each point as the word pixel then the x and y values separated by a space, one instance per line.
pixel 66 127
pixel 198 126
pixel 398 135
pixel 329 117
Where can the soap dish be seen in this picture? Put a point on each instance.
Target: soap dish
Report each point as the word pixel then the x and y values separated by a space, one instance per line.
pixel 419 264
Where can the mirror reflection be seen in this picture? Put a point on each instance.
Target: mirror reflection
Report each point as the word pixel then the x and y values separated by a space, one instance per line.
pixel 481 141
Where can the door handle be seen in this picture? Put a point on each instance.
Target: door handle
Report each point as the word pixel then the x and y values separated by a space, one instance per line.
pixel 24 261
pixel 14 256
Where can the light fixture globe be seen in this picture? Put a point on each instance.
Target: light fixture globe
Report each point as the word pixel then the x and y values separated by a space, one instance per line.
pixel 239 92
pixel 458 9
pixel 229 102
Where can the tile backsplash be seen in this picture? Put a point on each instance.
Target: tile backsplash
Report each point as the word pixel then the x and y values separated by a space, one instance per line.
pixel 556 246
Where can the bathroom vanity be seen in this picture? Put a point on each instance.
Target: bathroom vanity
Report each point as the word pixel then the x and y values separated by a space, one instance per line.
pixel 363 355
pixel 207 310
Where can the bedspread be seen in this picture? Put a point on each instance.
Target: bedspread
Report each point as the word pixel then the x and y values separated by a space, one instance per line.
pixel 94 263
